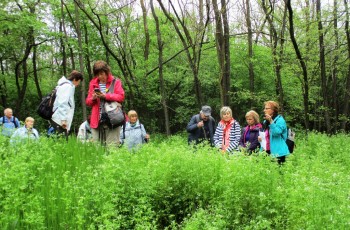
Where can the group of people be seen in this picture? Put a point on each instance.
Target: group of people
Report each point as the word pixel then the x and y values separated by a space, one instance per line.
pixel 104 87
pixel 269 136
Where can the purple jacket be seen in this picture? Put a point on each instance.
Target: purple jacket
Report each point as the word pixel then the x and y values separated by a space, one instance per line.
pixel 253 137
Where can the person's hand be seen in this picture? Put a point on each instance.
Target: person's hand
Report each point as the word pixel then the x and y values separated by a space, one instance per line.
pixel 259 138
pixel 268 118
pixel 147 136
pixel 200 124
pixel 94 96
pixel 64 124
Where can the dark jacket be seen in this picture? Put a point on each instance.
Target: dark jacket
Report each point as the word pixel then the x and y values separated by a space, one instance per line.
pixel 253 137
pixel 195 132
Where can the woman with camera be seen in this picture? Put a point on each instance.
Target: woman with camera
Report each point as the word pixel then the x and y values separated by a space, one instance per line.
pixel 98 94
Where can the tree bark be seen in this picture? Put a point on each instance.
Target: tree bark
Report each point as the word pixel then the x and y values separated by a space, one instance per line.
pixel 250 50
pixel 347 84
pixel 305 85
pixel 161 79
pixel 81 62
pixel 145 26
pixel 220 50
pixel 324 84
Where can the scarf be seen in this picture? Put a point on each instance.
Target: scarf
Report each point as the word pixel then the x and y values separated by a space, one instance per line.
pixel 226 132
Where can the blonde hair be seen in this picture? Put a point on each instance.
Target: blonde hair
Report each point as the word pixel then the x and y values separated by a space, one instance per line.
pixel 132 113
pixel 273 105
pixel 29 118
pixel 254 115
pixel 225 110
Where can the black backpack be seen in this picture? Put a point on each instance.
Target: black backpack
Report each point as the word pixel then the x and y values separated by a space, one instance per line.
pixel 45 108
pixel 290 139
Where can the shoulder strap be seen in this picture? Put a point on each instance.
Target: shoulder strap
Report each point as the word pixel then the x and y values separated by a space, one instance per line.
pixel 14 122
pixel 3 120
pixel 111 87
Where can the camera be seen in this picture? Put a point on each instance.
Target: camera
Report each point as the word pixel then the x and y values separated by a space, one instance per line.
pixel 97 90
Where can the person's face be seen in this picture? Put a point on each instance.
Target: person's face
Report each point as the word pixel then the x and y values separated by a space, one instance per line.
pixel 76 82
pixel 250 120
pixel 204 118
pixel 268 110
pixel 226 116
pixel 102 76
pixel 8 113
pixel 133 118
pixel 30 123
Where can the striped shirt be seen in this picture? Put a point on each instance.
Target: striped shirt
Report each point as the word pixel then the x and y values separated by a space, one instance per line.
pixel 235 135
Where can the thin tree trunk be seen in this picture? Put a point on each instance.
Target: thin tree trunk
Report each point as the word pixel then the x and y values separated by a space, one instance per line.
pixel 35 74
pixel 324 85
pixel 145 26
pixel 334 76
pixel 161 79
pixel 3 86
pixel 63 45
pixel 81 63
pixel 250 49
pixel 347 85
pixel 305 87
pixel 220 50
pixel 227 66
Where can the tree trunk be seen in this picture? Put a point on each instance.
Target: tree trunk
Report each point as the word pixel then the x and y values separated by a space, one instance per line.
pixel 145 26
pixel 188 42
pixel 227 66
pixel 35 74
pixel 305 86
pixel 161 79
pixel 250 50
pixel 334 75
pixel 220 50
pixel 277 41
pixel 63 45
pixel 347 85
pixel 3 90
pixel 81 63
pixel 324 85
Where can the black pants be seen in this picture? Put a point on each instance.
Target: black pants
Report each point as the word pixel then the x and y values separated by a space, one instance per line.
pixel 58 130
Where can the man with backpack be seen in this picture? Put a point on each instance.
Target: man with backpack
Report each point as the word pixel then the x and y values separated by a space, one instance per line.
pixel 9 123
pixel 64 105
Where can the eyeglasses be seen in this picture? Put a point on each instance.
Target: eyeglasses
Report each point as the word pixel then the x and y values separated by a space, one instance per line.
pixel 266 108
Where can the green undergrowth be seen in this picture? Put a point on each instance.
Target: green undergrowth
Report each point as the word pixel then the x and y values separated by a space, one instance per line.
pixel 169 185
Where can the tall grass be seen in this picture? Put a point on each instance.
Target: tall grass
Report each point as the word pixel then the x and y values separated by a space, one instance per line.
pixel 167 184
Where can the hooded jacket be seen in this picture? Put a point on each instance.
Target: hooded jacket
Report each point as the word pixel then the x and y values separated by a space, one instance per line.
pixel 63 107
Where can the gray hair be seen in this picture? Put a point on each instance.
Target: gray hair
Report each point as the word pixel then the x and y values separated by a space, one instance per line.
pixel 225 110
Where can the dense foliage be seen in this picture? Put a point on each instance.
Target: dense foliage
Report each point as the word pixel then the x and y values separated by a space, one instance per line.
pixel 167 184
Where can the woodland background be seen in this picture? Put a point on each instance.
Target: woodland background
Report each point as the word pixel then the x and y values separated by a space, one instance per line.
pixel 174 56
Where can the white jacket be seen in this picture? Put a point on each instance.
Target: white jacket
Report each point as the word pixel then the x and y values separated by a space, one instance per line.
pixel 64 105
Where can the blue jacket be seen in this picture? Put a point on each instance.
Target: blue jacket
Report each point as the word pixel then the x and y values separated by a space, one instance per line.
pixel 278 136
pixel 195 132
pixel 9 126
pixel 23 134
pixel 134 136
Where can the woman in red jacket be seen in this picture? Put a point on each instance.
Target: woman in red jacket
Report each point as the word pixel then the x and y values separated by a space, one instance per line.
pixel 98 93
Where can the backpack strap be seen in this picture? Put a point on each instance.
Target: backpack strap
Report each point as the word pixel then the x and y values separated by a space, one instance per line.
pixel 11 120
pixel 14 122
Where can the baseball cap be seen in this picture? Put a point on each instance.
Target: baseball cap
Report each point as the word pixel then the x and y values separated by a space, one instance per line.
pixel 206 110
